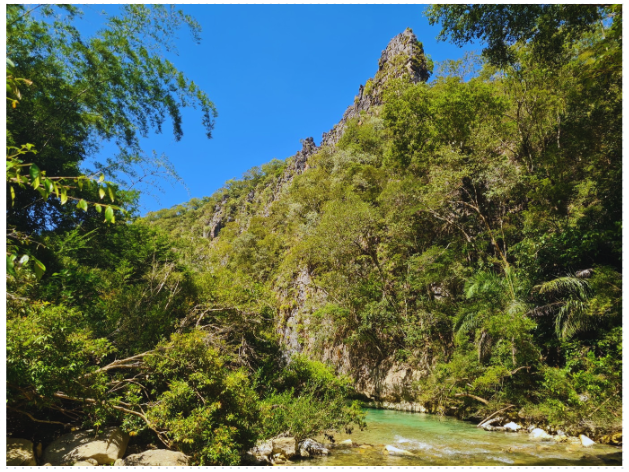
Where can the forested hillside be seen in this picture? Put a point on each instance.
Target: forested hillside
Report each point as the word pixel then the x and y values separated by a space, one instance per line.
pixel 455 242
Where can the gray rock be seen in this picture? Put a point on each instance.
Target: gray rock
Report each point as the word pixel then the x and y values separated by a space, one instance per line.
pixel 104 448
pixel 20 452
pixel 585 441
pixel 261 453
pixel 310 447
pixel 157 457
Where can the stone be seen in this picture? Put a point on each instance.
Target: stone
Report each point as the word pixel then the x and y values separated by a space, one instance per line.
pixel 157 457
pixel 285 446
pixel 511 426
pixel 72 447
pixel 585 441
pixel 346 443
pixel 119 463
pixel 20 452
pixel 260 453
pixel 540 434
pixel 394 451
pixel 310 447
pixel 278 459
pixel 48 464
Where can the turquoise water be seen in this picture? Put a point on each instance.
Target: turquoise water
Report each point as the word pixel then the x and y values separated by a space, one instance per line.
pixel 448 441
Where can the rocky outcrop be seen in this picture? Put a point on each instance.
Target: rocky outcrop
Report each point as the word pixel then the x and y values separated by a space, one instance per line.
pixel 156 457
pixel 20 452
pixel 104 448
pixel 403 57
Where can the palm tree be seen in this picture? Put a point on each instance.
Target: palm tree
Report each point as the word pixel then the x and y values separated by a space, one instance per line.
pixel 571 294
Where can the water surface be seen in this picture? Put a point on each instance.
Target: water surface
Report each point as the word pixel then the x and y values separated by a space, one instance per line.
pixel 448 441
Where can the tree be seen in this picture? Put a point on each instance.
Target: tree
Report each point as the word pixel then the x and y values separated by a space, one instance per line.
pixel 549 28
pixel 115 86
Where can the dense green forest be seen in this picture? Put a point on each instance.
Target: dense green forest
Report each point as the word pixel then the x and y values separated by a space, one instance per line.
pixel 467 227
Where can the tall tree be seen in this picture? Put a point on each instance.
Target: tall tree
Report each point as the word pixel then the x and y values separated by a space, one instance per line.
pixel 115 86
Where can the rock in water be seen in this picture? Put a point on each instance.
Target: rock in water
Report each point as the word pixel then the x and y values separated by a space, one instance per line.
pixel 539 433
pixel 346 443
pixel 586 441
pixel 310 447
pixel 104 448
pixel 512 427
pixel 285 446
pixel 20 452
pixel 394 451
pixel 157 457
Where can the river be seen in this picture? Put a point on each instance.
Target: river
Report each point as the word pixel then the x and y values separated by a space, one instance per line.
pixel 437 440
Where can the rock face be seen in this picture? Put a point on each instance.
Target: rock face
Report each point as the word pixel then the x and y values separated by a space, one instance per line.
pixel 156 457
pixel 104 448
pixel 375 379
pixel 20 452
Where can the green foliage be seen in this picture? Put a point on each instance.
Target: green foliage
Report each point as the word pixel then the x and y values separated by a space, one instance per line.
pixel 548 28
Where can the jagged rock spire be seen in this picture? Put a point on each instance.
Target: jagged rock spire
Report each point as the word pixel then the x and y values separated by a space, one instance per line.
pixel 403 56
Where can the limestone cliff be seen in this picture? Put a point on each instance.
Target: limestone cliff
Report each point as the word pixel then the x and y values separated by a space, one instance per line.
pixel 379 378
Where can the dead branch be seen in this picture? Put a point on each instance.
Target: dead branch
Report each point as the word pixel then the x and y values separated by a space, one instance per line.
pixel 494 414
pixel 35 419
pixel 482 400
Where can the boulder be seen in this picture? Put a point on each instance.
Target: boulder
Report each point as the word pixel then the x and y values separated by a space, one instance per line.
pixel 72 447
pixel 540 434
pixel 513 427
pixel 20 452
pixel 285 446
pixel 260 453
pixel 119 463
pixel 394 451
pixel 156 457
pixel 310 447
pixel 585 441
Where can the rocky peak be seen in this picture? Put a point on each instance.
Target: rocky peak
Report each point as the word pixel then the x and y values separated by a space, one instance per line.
pixel 412 60
pixel 403 56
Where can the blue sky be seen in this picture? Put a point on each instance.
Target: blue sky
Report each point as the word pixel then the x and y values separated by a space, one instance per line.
pixel 277 74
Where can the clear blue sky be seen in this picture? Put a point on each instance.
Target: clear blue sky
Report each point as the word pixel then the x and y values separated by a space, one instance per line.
pixel 277 74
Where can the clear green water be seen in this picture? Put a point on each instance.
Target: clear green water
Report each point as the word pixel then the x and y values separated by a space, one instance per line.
pixel 447 441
